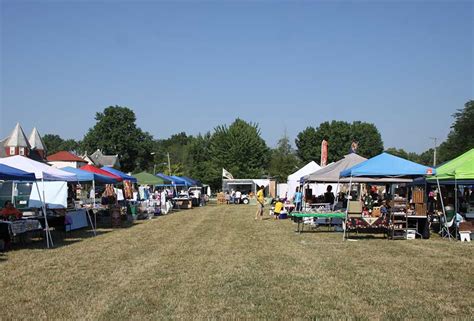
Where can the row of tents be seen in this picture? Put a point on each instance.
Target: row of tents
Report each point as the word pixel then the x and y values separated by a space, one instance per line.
pixel 386 168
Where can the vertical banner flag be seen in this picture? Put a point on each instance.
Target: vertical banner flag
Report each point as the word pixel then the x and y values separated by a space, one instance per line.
pixel 324 153
pixel 226 174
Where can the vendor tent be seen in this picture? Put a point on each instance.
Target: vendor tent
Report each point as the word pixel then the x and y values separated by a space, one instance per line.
pixel 294 179
pixel 96 170
pixel 8 173
pixel 85 176
pixel 191 181
pixel 330 173
pixel 387 165
pixel 460 168
pixel 179 181
pixel 145 178
pixel 41 170
pixel 174 180
pixel 124 176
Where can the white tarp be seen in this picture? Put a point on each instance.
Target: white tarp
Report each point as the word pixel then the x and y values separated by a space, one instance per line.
pixel 55 194
pixel 41 171
pixel 260 182
pixel 294 179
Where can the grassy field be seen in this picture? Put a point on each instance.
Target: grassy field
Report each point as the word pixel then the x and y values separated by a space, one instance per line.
pixel 218 263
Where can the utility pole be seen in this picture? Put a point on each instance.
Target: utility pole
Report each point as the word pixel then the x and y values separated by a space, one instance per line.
pixel 435 147
pixel 169 164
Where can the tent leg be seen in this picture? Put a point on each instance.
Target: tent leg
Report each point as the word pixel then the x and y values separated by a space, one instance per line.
pixel 93 204
pixel 347 210
pixel 337 195
pixel 46 225
pixel 90 220
pixel 444 212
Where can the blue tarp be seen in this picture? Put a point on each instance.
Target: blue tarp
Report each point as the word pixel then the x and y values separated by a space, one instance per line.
pixel 9 173
pixel 85 176
pixel 175 180
pixel 119 173
pixel 387 165
pixel 190 181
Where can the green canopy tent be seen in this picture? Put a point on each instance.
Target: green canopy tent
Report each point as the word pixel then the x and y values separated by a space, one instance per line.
pixel 145 178
pixel 460 170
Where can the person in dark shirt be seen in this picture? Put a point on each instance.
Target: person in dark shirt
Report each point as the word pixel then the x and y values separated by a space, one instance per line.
pixel 329 195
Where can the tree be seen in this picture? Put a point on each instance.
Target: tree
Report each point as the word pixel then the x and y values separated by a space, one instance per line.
pixel 461 137
pixel 339 135
pixel 202 167
pixel 54 143
pixel 240 149
pixel 115 132
pixel 283 160
pixel 177 146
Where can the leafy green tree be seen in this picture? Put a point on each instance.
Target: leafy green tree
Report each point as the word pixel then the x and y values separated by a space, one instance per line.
pixel 414 157
pixel 308 148
pixel 54 143
pixel 461 137
pixel 177 146
pixel 368 137
pixel 283 160
pixel 240 149
pixel 202 167
pixel 115 132
pixel 340 135
pixel 426 158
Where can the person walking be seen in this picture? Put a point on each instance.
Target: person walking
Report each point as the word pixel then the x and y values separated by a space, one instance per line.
pixel 297 199
pixel 260 202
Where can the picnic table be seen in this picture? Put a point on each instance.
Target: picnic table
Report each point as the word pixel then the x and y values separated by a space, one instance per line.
pixel 299 216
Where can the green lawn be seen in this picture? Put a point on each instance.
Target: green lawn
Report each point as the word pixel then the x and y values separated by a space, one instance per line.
pixel 216 262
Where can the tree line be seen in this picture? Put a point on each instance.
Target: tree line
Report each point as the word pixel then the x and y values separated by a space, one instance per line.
pixel 241 150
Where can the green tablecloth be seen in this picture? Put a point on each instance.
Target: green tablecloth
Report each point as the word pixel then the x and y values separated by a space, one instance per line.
pixel 320 215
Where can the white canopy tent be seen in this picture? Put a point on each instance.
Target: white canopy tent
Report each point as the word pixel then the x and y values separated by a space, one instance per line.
pixel 43 173
pixel 294 179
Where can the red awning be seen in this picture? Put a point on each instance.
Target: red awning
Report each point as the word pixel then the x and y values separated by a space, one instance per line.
pixel 96 170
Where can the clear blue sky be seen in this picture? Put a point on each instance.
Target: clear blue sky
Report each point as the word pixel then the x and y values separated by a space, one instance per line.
pixel 189 66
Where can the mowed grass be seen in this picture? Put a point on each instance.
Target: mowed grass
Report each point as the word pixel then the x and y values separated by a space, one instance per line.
pixel 216 262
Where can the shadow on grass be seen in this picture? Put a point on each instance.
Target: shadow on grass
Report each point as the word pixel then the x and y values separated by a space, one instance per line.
pixel 60 239
pixel 367 237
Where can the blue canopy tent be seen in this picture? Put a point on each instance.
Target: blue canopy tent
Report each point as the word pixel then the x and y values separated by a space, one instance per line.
pixel 174 180
pixel 8 173
pixel 85 176
pixel 191 182
pixel 119 173
pixel 386 166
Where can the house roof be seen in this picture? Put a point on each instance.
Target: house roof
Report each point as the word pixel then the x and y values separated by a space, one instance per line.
pixel 17 138
pixel 35 140
pixel 64 156
pixel 2 149
pixel 104 160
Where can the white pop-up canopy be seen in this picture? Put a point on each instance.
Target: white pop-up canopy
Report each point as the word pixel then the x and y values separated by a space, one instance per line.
pixel 294 179
pixel 41 171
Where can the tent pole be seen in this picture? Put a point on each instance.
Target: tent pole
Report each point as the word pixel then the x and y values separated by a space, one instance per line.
pixel 442 206
pixel 45 213
pixel 347 209
pixel 337 194
pixel 456 205
pixel 93 205
pixel 13 192
pixel 46 229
